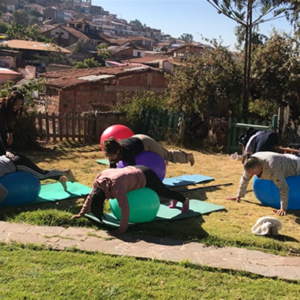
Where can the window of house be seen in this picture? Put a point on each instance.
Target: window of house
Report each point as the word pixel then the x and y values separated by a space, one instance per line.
pixel 139 54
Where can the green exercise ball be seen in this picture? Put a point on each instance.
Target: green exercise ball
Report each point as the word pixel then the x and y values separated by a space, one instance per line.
pixel 143 205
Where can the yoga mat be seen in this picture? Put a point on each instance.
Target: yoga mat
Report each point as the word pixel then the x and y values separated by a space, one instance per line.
pixel 103 161
pixel 197 208
pixel 186 180
pixel 55 192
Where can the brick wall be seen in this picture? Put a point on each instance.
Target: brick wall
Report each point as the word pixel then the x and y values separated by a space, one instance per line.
pixel 78 98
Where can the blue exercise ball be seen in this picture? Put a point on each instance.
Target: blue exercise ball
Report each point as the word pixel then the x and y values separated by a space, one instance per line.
pixel 23 188
pixel 151 160
pixel 143 205
pixel 268 194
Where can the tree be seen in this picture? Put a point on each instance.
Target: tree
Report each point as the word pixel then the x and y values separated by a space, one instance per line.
pixel 187 38
pixel 275 74
pixel 249 14
pixel 87 63
pixel 32 33
pixel 3 27
pixel 103 52
pixel 137 25
pixel 20 17
pixel 203 84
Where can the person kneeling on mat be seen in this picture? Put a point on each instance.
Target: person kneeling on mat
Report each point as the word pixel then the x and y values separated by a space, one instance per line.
pixel 128 149
pixel 13 162
pixel 272 166
pixel 115 183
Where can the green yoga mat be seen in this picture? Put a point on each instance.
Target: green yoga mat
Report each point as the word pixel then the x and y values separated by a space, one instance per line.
pixel 103 161
pixel 55 192
pixel 197 207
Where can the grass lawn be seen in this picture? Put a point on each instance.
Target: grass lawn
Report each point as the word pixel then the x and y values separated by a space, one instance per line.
pixel 231 227
pixel 33 273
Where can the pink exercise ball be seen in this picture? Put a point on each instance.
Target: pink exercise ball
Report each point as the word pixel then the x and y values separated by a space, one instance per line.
pixel 119 132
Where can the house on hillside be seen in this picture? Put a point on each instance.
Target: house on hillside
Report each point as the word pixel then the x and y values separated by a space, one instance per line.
pixel 82 89
pixel 146 43
pixel 126 51
pixel 186 51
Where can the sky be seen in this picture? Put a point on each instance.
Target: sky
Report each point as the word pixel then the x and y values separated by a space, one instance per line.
pixel 196 17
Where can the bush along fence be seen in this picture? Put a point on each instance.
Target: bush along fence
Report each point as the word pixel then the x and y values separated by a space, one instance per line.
pixel 157 123
pixel 235 128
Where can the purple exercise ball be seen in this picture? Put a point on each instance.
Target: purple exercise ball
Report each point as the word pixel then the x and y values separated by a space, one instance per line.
pixel 148 159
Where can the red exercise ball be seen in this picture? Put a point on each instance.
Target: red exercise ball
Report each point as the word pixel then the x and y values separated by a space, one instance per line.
pixel 119 132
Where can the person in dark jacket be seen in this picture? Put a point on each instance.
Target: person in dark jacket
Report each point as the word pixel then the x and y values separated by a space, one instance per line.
pixel 10 107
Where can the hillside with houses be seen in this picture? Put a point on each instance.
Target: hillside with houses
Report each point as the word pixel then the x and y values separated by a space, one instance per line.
pixel 48 39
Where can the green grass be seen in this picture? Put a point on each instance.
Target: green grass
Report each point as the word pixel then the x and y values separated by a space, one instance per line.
pixel 231 227
pixel 29 272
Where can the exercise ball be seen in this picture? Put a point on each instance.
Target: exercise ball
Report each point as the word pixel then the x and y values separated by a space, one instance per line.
pixel 119 132
pixel 268 193
pixel 151 160
pixel 23 188
pixel 143 205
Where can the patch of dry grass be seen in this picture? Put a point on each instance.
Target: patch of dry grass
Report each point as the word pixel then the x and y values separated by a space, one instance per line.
pixel 229 227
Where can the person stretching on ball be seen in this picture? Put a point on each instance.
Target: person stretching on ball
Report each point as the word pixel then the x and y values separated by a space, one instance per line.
pixel 272 166
pixel 16 162
pixel 127 149
pixel 115 183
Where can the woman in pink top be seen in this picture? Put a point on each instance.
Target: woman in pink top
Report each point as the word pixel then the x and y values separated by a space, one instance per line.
pixel 116 183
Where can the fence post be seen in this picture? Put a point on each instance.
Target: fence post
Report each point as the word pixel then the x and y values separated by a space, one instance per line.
pixel 229 135
pixel 274 122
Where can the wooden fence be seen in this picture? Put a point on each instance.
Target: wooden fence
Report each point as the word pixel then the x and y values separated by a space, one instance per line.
pixel 74 127
pixel 157 123
pixel 89 127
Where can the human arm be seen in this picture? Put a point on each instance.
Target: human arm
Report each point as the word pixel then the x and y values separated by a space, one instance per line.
pixel 124 205
pixel 279 180
pixel 244 181
pixel 10 138
pixel 86 206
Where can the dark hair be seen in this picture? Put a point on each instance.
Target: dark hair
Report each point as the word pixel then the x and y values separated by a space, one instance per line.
pixel 245 137
pixel 7 105
pixel 112 147
pixel 97 203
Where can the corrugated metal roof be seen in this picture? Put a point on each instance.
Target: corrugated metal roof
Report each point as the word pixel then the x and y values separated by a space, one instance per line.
pixel 95 77
pixel 32 45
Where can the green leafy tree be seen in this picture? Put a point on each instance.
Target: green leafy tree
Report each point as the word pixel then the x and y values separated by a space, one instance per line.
pixel 201 84
pixel 187 38
pixel 20 17
pixel 275 74
pixel 87 63
pixel 135 103
pixel 103 53
pixel 249 14
pixel 16 31
pixel 3 27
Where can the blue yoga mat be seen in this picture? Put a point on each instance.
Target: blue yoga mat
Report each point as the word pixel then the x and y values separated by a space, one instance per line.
pixel 55 192
pixel 186 180
pixel 197 208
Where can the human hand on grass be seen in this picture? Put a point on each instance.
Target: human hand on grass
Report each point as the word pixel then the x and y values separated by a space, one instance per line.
pixel 235 198
pixel 279 212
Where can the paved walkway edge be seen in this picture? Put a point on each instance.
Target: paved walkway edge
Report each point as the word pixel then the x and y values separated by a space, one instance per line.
pixel 61 238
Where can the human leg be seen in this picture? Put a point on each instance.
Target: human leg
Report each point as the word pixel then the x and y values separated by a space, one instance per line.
pixel 154 183
pixel 173 156
pixel 24 164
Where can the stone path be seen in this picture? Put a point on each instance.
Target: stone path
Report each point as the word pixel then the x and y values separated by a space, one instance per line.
pixel 154 248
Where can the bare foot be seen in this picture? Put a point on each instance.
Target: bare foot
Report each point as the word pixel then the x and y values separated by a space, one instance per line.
pixel 69 175
pixel 63 180
pixel 191 159
pixel 166 162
